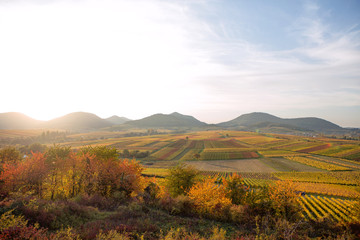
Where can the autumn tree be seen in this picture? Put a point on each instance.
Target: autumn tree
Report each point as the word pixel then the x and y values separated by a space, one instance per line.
pixel 35 147
pixel 284 200
pixel 56 160
pixel 101 152
pixel 122 177
pixel 88 178
pixel 180 179
pixel 106 174
pixel 236 189
pixel 9 155
pixel 63 173
pixel 10 178
pixel 27 175
pixel 209 198
pixel 34 172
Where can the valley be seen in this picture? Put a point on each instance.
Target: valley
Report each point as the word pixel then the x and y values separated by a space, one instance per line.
pixel 324 172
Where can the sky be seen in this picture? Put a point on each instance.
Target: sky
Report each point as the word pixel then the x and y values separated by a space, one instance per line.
pixel 214 60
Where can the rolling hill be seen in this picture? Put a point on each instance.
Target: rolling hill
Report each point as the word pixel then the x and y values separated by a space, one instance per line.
pixel 116 120
pixel 258 120
pixel 13 120
pixel 173 120
pixel 78 121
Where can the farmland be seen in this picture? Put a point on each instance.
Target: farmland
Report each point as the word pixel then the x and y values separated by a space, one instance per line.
pixel 325 170
pixel 222 145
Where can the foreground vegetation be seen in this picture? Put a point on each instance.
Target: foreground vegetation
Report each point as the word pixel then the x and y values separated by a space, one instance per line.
pixel 250 186
pixel 89 193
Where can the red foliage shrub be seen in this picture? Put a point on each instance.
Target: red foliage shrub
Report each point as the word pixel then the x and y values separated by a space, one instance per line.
pixel 21 233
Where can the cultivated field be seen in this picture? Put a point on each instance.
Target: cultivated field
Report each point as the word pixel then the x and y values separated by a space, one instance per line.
pixel 244 165
pixel 326 171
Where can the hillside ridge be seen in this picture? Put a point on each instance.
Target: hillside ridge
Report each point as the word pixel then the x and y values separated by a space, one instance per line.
pixel 256 121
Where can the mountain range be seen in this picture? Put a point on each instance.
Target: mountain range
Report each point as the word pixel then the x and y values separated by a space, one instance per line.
pixel 77 121
pixel 257 121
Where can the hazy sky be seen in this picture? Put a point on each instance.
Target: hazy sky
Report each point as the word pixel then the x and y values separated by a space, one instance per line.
pixel 214 60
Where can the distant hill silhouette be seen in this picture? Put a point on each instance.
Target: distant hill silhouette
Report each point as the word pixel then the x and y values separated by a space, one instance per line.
pixel 261 120
pixel 173 120
pixel 257 121
pixel 14 120
pixel 116 120
pixel 78 121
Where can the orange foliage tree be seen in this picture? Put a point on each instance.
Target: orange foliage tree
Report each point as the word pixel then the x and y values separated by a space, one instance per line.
pixel 27 175
pixel 34 172
pixel 209 197
pixel 119 176
pixel 62 173
pixel 10 178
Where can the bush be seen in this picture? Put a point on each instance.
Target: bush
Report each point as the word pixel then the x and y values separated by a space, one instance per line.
pixel 180 179
pixel 21 233
pixel 236 189
pixel 97 201
pixel 8 220
pixel 237 213
pixel 181 205
pixel 284 200
pixel 65 234
pixel 15 227
pixel 210 199
pixel 112 235
pixel 54 215
pixel 181 233
pixel 151 193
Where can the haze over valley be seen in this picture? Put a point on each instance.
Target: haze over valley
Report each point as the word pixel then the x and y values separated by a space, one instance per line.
pixel 259 122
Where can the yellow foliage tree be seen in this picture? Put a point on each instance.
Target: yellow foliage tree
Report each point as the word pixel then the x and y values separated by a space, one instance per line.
pixel 284 200
pixel 209 197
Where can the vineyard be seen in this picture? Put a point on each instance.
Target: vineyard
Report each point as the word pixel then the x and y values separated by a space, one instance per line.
pixel 327 171
pixel 324 173
pixel 323 195
pixel 316 207
pixel 319 200
pixel 318 164
pixel 226 145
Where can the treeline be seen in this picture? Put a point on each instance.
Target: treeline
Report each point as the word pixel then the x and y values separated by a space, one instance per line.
pixel 134 154
pixel 44 137
pixel 60 173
